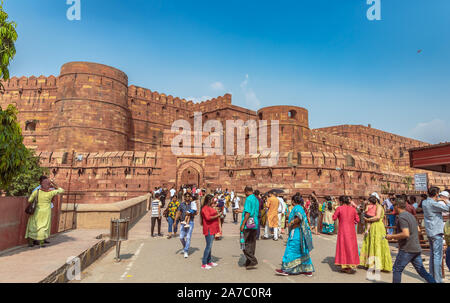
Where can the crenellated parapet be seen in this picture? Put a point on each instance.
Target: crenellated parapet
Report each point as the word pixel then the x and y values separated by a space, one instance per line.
pixel 214 104
pixel 373 136
pixel 31 83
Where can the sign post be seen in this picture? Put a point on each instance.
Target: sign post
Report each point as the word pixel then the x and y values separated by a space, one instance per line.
pixel 421 182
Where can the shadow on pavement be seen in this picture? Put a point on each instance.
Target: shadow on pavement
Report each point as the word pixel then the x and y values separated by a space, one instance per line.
pixel 58 239
pixel 330 262
pixel 191 251
pixel 242 260
pixel 126 256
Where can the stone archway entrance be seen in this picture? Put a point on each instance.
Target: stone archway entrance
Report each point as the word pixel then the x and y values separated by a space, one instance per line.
pixel 190 176
pixel 190 173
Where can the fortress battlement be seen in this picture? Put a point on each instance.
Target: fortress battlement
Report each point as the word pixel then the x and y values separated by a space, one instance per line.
pixel 113 141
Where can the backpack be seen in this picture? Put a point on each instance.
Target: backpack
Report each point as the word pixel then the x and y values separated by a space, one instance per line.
pixel 314 209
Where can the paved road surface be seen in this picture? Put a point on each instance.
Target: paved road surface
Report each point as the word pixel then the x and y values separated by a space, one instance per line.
pixel 146 259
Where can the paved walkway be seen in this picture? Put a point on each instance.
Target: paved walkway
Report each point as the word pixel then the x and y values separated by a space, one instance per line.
pixel 146 259
pixel 32 265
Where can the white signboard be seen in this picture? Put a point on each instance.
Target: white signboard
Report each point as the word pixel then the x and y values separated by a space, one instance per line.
pixel 421 182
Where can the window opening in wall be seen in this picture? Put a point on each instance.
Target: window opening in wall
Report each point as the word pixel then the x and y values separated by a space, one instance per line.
pixel 292 114
pixel 349 161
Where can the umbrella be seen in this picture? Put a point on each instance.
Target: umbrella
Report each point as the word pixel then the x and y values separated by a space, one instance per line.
pixel 276 191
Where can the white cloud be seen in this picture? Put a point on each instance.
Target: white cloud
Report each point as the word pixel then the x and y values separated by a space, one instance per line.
pixel 217 86
pixel 198 99
pixel 435 131
pixel 250 96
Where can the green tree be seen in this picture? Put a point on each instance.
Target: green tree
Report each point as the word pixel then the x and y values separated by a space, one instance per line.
pixel 13 153
pixel 8 37
pixel 28 178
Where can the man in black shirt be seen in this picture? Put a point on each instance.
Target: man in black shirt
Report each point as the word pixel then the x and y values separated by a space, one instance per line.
pixel 408 244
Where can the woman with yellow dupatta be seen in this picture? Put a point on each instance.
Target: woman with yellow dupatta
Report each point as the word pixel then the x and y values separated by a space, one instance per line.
pixel 375 252
pixel 39 224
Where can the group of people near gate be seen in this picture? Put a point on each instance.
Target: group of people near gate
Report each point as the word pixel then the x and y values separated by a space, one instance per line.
pixel 298 221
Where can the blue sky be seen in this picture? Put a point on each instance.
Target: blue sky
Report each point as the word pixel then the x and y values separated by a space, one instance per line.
pixel 324 55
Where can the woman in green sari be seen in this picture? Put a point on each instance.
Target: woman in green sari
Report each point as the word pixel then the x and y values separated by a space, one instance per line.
pixel 39 224
pixel 375 252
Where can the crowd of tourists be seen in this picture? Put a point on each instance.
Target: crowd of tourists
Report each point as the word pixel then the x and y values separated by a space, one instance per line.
pixel 300 217
pixel 296 219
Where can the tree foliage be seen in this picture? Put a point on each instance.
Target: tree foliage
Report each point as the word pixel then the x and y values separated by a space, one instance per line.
pixel 13 153
pixel 28 178
pixel 8 37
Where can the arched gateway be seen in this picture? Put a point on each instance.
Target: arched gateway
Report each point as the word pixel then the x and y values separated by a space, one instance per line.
pixel 190 173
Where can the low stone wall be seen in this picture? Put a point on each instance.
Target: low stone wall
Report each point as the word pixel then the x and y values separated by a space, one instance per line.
pixel 98 216
pixel 86 258
pixel 13 220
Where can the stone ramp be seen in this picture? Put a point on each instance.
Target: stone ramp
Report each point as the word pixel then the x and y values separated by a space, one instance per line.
pixel 33 265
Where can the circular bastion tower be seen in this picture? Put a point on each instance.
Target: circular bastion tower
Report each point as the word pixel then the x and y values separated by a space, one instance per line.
pixel 91 112
pixel 294 132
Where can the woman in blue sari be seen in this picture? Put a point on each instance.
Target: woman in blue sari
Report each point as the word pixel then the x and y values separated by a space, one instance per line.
pixel 296 259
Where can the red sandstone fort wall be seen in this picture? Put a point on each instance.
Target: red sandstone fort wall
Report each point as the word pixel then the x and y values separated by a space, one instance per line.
pixel 34 98
pixel 123 135
pixel 103 177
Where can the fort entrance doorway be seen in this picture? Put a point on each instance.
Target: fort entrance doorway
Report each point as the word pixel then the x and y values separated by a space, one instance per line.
pixel 190 172
pixel 190 176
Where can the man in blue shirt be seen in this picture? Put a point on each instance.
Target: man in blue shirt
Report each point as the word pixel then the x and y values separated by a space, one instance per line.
pixel 249 228
pixel 186 208
pixel 434 227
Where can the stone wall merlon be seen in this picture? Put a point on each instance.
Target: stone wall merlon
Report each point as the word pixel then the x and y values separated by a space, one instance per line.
pixel 31 83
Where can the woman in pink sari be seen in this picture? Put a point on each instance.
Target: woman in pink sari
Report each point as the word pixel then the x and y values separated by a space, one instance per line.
pixel 347 245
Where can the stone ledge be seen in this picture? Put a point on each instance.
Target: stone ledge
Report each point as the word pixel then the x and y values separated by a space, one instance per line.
pixel 98 216
pixel 87 257
pixel 106 207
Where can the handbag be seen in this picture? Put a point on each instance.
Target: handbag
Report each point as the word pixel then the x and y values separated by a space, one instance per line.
pixel 31 208
pixel 166 212
pixel 250 223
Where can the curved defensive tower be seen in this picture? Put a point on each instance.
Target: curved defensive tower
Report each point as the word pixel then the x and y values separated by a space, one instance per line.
pixel 91 111
pixel 294 132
